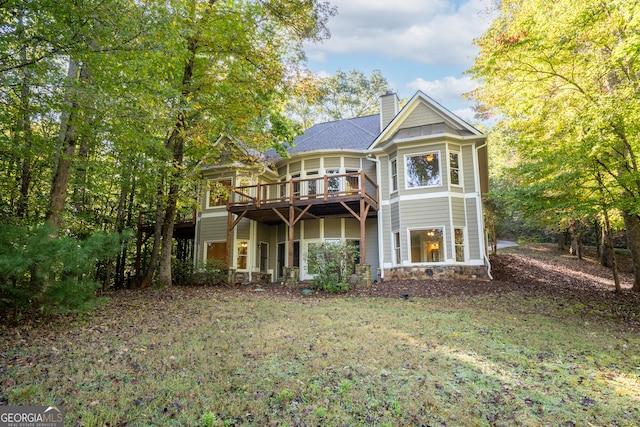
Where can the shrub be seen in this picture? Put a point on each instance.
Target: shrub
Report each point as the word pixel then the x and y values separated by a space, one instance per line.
pixel 213 273
pixel 182 271
pixel 50 274
pixel 332 264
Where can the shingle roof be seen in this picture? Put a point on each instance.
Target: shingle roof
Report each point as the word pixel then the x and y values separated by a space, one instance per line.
pixel 346 134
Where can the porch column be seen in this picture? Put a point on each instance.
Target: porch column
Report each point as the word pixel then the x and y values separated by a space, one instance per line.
pixel 291 235
pixel 363 219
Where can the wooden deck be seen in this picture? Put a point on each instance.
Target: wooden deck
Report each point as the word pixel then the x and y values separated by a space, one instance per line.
pixel 324 196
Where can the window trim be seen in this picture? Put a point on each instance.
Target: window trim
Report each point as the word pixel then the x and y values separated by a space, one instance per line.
pixel 205 251
pixel 239 244
pixel 463 245
pixel 393 164
pixel 208 197
pixel 442 250
pixel 406 169
pixel 456 152
pixel 397 247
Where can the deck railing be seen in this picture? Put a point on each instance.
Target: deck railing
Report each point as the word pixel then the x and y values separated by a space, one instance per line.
pixel 328 188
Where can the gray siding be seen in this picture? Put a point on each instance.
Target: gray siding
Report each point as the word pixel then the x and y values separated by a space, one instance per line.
pixel 371 233
pixel 458 212
pixel 472 229
pixel 332 228
pixel 468 169
pixel 369 168
pixel 385 213
pixel 420 116
pixel 424 213
pixel 243 229
pixel 312 229
pixel 351 228
pixel 213 229
pixel 383 186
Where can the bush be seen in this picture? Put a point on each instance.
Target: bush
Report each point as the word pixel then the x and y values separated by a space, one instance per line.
pixel 39 271
pixel 332 264
pixel 213 273
pixel 182 271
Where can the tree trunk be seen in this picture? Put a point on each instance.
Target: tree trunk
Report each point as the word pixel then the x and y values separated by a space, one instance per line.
pixel 609 240
pixel 175 144
pixel 632 226
pixel 27 141
pixel 164 273
pixel 606 252
pixel 68 140
pixel 562 243
pixel 576 240
pixel 597 230
pixel 157 234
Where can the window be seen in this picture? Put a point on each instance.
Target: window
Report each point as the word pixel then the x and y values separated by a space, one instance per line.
pixel 394 175
pixel 353 181
pixel 218 193
pixel 333 183
pixel 216 251
pixel 454 168
pixel 243 251
pixel 313 254
pixel 396 246
pixel 312 184
pixel 459 244
pixel 423 170
pixel 296 184
pixel 427 245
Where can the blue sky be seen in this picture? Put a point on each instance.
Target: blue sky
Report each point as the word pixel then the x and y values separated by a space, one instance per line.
pixel 416 44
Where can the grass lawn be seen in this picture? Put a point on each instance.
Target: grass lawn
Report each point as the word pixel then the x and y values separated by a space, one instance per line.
pixel 204 357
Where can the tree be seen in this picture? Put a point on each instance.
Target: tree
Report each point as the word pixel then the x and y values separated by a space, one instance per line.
pixel 103 117
pixel 341 96
pixel 564 79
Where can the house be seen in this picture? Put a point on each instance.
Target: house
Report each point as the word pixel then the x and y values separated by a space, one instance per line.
pixel 404 185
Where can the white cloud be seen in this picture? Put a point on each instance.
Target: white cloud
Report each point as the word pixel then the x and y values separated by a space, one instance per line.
pixel 447 90
pixel 428 31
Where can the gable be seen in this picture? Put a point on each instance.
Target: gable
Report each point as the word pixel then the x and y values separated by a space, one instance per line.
pixel 422 116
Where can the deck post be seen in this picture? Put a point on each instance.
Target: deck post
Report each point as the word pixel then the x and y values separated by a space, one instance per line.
pixel 363 219
pixel 291 235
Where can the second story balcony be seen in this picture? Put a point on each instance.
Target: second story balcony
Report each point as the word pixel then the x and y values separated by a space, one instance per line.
pixel 322 196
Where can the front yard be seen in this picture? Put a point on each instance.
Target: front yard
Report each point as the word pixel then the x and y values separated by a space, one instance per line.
pixel 512 354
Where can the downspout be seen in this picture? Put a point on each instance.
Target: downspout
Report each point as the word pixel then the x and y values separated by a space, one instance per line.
pixel 484 234
pixel 373 158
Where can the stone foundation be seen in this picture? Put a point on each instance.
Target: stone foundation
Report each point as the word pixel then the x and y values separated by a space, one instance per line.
pixel 439 272
pixel 261 278
pixel 363 275
pixel 290 276
pixel 242 277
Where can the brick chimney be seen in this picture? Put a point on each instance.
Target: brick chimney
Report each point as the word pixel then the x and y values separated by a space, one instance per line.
pixel 389 106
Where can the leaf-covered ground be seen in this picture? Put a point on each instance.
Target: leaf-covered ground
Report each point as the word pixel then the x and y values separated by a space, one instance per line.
pixel 533 269
pixel 546 343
